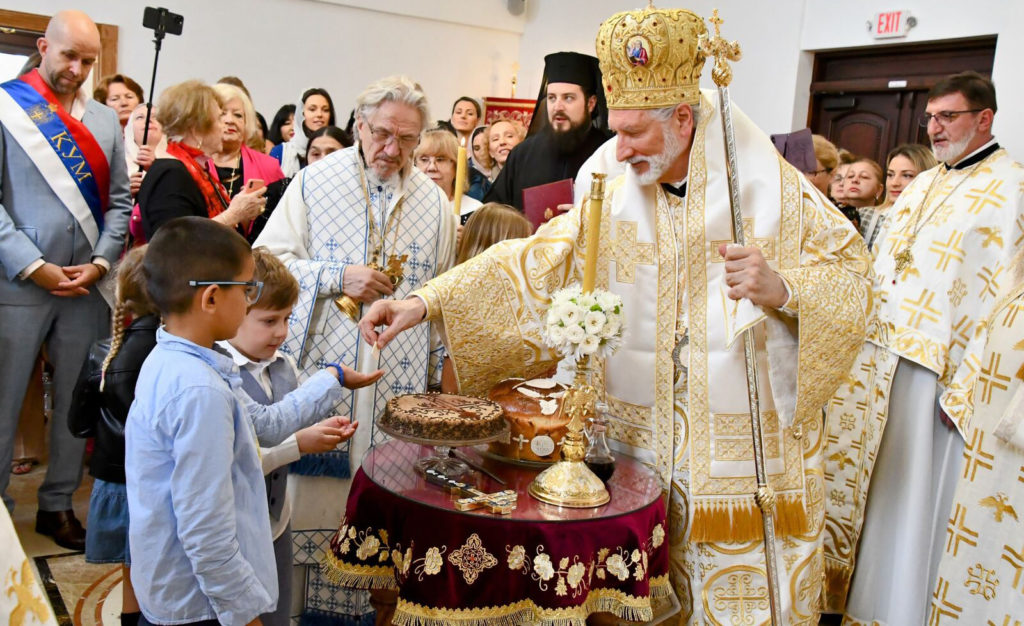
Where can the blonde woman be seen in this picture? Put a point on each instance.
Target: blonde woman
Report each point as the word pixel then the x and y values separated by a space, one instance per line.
pixel 181 185
pixel 436 156
pixel 903 164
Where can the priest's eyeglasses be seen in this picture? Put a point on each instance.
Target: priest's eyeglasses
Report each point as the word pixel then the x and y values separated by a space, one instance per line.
pixel 944 117
pixel 253 288
pixel 384 137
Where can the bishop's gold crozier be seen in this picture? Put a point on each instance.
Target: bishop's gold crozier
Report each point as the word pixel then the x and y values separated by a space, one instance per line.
pixel 570 482
pixel 725 51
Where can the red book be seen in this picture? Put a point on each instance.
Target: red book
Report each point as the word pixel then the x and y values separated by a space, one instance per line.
pixel 541 203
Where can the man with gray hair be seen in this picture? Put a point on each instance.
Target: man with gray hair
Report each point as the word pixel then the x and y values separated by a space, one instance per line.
pixel 359 225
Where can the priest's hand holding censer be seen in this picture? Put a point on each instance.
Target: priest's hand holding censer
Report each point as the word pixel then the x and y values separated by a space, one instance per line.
pixel 367 283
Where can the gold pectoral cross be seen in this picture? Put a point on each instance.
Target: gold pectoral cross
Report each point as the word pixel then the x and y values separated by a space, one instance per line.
pixel 499 503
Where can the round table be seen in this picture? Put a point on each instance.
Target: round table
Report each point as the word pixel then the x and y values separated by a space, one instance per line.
pixel 540 564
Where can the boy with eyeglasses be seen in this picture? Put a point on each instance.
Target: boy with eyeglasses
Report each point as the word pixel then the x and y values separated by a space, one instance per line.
pixel 200 531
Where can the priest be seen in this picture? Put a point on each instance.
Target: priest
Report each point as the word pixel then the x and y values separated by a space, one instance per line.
pixel 569 123
pixel 675 387
pixel 897 425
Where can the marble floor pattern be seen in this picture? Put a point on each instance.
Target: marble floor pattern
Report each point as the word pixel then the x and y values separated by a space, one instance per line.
pixel 81 594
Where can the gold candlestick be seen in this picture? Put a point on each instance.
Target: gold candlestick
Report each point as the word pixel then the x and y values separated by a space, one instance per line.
pixel 570 482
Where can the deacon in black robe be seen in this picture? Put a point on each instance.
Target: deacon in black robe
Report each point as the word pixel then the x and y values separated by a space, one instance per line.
pixel 569 124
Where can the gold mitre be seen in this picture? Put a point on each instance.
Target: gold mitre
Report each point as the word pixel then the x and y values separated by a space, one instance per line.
pixel 650 58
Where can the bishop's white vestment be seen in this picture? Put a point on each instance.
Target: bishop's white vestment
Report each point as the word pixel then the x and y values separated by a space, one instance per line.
pixel 962 227
pixel 690 420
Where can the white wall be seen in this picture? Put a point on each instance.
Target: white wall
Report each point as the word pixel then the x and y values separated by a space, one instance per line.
pixel 281 47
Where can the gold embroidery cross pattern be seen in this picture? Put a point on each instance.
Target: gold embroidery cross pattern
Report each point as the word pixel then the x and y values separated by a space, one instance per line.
pixel 627 253
pixel 766 244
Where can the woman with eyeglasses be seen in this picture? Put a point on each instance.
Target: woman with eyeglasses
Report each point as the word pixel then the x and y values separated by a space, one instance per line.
pixel 435 157
pixel 181 185
pixel 903 164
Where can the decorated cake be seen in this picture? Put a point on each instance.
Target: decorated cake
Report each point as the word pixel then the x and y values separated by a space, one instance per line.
pixel 442 417
pixel 533 409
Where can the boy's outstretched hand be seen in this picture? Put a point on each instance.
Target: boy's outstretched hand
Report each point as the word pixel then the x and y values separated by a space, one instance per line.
pixel 326 435
pixel 355 380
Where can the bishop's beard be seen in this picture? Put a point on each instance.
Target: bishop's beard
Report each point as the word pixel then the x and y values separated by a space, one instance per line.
pixel 567 141
pixel 659 163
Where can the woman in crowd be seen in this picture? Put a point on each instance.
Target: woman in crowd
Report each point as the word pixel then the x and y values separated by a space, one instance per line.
pixel 436 156
pixel 864 188
pixel 137 155
pixel 903 164
pixel 325 141
pixel 315 112
pixel 481 164
pixel 283 126
pixel 466 115
pixel 119 93
pixel 181 185
pixel 503 135
pixel 826 159
pixel 236 163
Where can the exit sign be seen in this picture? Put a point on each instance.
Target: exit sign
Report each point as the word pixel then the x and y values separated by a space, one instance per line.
pixel 892 24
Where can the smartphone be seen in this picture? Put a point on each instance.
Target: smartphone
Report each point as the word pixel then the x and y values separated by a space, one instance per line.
pixel 254 183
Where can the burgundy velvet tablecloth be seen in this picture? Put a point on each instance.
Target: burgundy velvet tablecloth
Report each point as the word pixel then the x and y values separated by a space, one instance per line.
pixel 542 563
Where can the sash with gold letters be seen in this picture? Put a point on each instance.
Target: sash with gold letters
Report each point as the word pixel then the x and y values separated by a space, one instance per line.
pixel 61 147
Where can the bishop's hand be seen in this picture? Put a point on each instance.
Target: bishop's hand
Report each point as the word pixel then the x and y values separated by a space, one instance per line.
pixel 365 284
pixel 749 276
pixel 396 315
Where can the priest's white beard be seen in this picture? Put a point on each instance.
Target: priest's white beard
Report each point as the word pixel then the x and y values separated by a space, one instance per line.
pixel 953 149
pixel 659 163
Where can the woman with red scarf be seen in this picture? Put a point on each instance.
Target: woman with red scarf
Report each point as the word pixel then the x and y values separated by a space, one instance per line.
pixel 182 185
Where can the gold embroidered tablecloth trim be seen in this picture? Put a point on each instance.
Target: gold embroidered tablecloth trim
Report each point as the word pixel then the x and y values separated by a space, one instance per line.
pixel 619 603
pixel 357 576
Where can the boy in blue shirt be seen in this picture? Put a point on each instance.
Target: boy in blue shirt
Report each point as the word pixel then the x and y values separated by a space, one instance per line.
pixel 200 532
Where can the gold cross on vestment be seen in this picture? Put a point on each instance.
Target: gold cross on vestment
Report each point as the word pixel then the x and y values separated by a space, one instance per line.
pixel 627 253
pixel 766 244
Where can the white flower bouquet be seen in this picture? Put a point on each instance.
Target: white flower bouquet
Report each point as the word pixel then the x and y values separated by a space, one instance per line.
pixel 582 324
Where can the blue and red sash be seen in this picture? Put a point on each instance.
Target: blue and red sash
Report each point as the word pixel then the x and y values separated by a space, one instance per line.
pixel 71 141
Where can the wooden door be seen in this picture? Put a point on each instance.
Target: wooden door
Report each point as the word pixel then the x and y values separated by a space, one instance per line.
pixel 869 101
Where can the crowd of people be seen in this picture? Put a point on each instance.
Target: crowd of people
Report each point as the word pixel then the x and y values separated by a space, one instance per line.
pixel 225 360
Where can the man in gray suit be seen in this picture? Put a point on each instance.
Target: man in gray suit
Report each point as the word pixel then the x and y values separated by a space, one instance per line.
pixel 64 210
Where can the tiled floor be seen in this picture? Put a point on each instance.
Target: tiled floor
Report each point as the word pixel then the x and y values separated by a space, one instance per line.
pixel 81 594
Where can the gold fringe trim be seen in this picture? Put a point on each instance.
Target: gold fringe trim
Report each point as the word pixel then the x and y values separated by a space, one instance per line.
pixel 735 521
pixel 661 587
pixel 357 576
pixel 619 603
pixel 837 585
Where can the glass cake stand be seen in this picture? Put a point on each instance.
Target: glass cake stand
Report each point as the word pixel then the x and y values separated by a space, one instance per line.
pixel 442 460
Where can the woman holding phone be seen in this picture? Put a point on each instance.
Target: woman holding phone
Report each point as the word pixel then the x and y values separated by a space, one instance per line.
pixel 182 185
pixel 236 164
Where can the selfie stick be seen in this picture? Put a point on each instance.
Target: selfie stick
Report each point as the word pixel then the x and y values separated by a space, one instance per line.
pixel 158 37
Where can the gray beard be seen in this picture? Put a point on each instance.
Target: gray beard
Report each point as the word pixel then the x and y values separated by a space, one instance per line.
pixel 659 163
pixel 953 150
